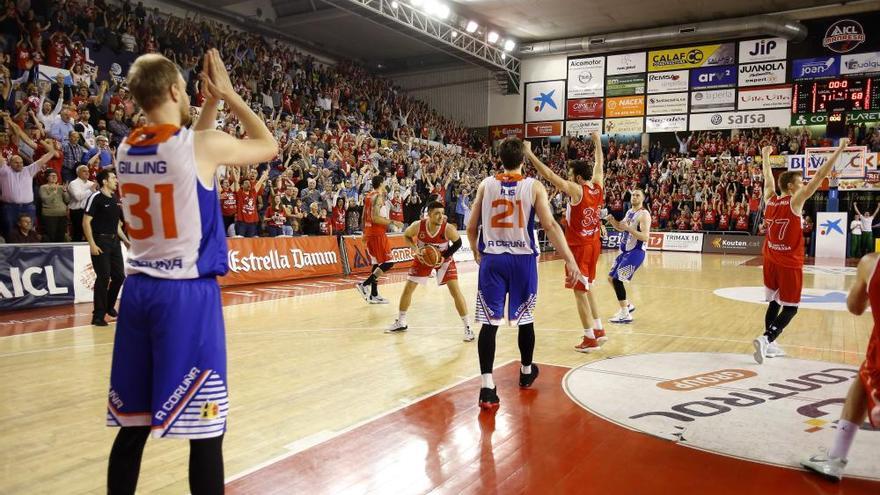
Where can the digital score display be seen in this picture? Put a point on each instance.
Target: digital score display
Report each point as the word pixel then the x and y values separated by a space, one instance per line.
pixel 836 95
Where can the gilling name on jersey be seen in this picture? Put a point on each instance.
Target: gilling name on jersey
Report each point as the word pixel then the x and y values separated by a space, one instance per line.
pixel 135 168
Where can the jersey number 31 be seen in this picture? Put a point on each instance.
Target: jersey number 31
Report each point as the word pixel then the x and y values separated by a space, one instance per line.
pixel 142 211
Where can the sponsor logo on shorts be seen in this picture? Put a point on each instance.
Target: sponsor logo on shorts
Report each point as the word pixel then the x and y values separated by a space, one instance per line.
pixel 209 410
pixel 178 394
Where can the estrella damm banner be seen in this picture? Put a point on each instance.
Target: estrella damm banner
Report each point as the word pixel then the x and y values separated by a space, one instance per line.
pixel 691 57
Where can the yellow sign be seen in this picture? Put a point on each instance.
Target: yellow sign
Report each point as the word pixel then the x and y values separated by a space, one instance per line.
pixel 691 57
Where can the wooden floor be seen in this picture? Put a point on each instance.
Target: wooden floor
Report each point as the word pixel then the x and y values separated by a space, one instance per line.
pixel 304 367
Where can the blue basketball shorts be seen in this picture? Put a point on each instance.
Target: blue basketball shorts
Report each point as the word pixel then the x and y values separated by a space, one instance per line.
pixel 510 278
pixel 169 358
pixel 626 264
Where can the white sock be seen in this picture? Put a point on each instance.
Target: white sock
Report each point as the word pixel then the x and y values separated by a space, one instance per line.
pixel 589 333
pixel 598 323
pixel 526 369
pixel 486 378
pixel 843 439
pixel 624 311
pixel 464 319
pixel 401 316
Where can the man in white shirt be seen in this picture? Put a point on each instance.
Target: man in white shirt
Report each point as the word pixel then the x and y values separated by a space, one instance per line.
pixel 855 237
pixel 17 190
pixel 83 127
pixel 79 189
pixel 867 238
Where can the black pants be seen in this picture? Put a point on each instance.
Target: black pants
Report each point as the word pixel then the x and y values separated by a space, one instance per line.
pixel 109 273
pixel 227 221
pixel 76 225
pixel 56 228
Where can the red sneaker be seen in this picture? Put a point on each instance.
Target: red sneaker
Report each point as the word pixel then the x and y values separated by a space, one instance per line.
pixel 600 335
pixel 588 345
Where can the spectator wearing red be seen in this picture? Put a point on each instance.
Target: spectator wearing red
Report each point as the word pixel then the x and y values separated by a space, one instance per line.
pixel 228 202
pixel 338 216
pixel 723 218
pixel 247 217
pixel 275 217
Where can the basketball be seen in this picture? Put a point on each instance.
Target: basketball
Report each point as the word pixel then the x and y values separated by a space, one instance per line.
pixel 431 255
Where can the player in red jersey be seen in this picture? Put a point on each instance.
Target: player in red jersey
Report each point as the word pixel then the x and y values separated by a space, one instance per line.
pixel 446 239
pixel 585 191
pixel 376 223
pixel 784 247
pixel 863 399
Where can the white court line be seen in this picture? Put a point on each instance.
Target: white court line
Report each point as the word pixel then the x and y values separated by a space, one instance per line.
pixel 299 447
pixel 52 349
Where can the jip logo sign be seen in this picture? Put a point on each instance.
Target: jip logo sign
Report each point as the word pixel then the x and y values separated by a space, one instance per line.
pixel 725 403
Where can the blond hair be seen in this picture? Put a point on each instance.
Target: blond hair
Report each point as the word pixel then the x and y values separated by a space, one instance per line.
pixel 149 78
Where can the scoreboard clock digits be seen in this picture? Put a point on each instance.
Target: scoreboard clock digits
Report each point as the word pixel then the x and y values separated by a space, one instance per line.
pixel 836 95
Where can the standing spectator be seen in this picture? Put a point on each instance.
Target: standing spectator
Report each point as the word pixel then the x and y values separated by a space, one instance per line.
pixel 17 190
pixel 683 144
pixel 855 237
pixel 228 201
pixel 311 224
pixel 84 127
pixel 79 189
pixel 73 156
pixel 867 238
pixel 54 199
pixel 102 225
pixel 275 217
pixel 248 218
pixel 101 156
pixel 808 235
pixel 61 128
pixel 23 233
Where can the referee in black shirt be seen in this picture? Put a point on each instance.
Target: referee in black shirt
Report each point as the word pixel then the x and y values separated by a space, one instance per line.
pixel 102 225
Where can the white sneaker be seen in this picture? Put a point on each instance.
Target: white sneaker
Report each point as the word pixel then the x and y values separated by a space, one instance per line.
pixel 631 308
pixel 825 465
pixel 397 327
pixel 468 334
pixel 773 350
pixel 622 317
pixel 378 300
pixel 761 344
pixel 362 290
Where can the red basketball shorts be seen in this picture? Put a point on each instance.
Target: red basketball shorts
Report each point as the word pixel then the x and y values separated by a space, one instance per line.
pixel 782 284
pixel 587 257
pixel 420 272
pixel 378 248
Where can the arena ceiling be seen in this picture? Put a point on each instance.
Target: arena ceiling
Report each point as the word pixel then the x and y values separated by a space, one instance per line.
pixel 338 33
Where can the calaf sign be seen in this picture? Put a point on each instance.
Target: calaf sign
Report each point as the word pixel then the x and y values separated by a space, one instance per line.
pixel 762 73
pixel 760 98
pixel 740 120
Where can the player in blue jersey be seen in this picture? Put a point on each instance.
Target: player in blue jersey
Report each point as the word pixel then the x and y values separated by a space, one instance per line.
pixel 502 236
pixel 168 373
pixel 635 226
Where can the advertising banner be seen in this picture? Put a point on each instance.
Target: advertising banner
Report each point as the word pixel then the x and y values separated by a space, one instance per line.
pixel 543 129
pixel 809 119
pixel 505 131
pixel 586 77
pixel 775 97
pixel 666 123
pixel 831 234
pixel 762 73
pixel 628 125
pixel 668 82
pixel 612 240
pixel 544 101
pixel 270 259
pixel 49 74
pixel 359 261
pixel 714 77
pixel 733 244
pixel 762 50
pixel 861 172
pixel 586 108
pixel 853 160
pixel 35 275
pixel 815 68
pixel 633 84
pixel 582 128
pixel 692 57
pixel 861 63
pixel 838 35
pixel 625 106
pixel 108 64
pixel 675 241
pixel 740 120
pixel 628 63
pixel 720 100
pixel 665 104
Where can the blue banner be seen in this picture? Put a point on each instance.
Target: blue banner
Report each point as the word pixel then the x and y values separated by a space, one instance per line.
pixel 713 77
pixel 107 64
pixel 35 275
pixel 612 240
pixel 814 68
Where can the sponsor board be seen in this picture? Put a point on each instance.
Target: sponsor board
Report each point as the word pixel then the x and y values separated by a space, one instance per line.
pixel 720 100
pixel 359 260
pixel 821 299
pixel 691 57
pixel 862 63
pixel 713 402
pixel 543 129
pixel 666 123
pixel 668 82
pixel 852 163
pixel 270 259
pixel 815 68
pixel 577 128
pixel 831 230
pixel 49 73
pixel 585 108
pixel 732 244
pixel 752 99
pixel 713 77
pixel 762 50
pixel 544 101
pixel 627 63
pixel 809 119
pixel 625 106
pixel 669 103
pixel 586 77
pixel 762 73
pixel 506 131
pixel 844 36
pixel 633 84
pixel 33 276
pixel 627 125
pixel 860 116
pixel 612 239
pixel 740 120
pixel 691 242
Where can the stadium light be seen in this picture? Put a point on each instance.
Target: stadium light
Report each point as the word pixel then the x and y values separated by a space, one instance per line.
pixel 455 34
pixel 442 11
pixel 509 45
pixel 471 26
pixel 394 5
pixel 503 56
pixel 493 37
pixel 417 3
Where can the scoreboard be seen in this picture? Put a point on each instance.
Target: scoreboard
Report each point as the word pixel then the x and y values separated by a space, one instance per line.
pixel 836 95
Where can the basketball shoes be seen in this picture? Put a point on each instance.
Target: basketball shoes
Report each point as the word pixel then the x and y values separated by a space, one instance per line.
pixel 588 345
pixel 761 344
pixel 773 350
pixel 526 380
pixel 377 300
pixel 622 317
pixel 397 327
pixel 363 291
pixel 830 467
pixel 489 398
pixel 468 334
pixel 600 335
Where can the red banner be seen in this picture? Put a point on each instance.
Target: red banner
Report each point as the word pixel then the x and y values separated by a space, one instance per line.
pixel 497 132
pixel 543 129
pixel 359 261
pixel 270 259
pixel 585 108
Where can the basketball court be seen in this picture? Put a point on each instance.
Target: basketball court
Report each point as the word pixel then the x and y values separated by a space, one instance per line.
pixel 322 401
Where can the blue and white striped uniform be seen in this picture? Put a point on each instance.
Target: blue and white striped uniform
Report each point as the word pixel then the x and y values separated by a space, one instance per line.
pixel 632 250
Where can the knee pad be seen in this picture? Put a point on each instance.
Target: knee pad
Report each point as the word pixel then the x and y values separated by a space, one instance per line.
pixel 386 266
